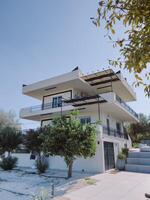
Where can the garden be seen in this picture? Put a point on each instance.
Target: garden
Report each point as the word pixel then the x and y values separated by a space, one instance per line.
pixel 66 138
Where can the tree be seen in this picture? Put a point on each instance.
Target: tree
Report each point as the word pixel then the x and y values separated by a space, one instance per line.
pixel 9 119
pixel 141 130
pixel 10 138
pixel 32 140
pixel 67 138
pixel 135 46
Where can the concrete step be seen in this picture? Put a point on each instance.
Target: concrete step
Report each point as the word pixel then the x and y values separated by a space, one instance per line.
pixel 138 161
pixel 137 168
pixel 139 155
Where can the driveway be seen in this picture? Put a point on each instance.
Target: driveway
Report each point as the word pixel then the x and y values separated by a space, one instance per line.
pixel 114 186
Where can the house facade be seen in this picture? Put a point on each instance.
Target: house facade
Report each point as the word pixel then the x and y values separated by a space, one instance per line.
pixel 98 96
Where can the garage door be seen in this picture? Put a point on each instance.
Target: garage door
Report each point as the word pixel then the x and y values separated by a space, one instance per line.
pixel 109 155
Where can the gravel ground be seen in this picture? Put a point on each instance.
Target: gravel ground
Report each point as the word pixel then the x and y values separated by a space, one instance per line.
pixel 24 184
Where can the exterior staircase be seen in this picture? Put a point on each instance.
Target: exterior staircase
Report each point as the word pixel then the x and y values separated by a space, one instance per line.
pixel 138 162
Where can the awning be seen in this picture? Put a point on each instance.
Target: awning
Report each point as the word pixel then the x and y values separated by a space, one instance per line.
pixel 86 100
pixel 102 80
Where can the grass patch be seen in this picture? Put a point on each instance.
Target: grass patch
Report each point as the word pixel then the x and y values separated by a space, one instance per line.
pixel 90 181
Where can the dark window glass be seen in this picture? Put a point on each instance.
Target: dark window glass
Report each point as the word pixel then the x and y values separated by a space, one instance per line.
pixel 85 120
pixel 57 102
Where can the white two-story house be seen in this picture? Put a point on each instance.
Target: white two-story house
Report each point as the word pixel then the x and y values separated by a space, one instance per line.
pixel 98 96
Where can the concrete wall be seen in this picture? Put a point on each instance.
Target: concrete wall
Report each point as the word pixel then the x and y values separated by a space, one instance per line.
pixel 94 164
pixel 24 160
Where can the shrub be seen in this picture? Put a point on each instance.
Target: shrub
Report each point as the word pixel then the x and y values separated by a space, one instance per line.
pixel 90 181
pixel 43 194
pixel 8 163
pixel 121 156
pixel 41 164
pixel 136 145
pixel 125 151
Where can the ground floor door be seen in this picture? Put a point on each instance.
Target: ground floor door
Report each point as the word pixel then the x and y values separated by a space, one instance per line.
pixel 109 155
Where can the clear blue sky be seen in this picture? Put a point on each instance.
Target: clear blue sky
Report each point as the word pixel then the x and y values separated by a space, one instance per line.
pixel 43 38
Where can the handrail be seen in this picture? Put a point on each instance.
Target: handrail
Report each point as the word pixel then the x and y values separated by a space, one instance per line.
pixel 46 106
pixel 126 106
pixel 114 132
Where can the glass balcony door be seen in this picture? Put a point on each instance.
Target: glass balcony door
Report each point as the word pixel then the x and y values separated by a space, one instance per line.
pixel 57 102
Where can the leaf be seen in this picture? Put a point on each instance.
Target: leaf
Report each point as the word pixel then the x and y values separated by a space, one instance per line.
pixel 112 30
pixel 137 77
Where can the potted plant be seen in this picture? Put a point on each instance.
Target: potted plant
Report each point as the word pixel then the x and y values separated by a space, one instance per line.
pixel 121 160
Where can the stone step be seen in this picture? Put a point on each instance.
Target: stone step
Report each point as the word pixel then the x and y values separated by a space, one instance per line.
pixel 137 168
pixel 138 161
pixel 139 155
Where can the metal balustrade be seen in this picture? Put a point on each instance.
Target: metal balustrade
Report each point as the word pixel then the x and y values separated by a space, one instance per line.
pixel 114 132
pixel 126 106
pixel 46 106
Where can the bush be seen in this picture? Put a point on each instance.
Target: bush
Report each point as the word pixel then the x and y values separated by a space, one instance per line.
pixel 42 164
pixel 43 194
pixel 136 145
pixel 125 151
pixel 121 156
pixel 8 163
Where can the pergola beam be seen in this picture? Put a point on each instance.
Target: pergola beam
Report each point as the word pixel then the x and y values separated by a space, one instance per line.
pixel 103 82
pixel 90 103
pixel 99 77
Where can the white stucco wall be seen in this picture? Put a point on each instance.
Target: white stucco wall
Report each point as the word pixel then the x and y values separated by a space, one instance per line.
pixel 24 160
pixel 94 164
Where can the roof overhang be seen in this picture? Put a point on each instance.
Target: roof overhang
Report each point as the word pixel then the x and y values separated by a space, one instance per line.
pixel 61 83
pixel 108 80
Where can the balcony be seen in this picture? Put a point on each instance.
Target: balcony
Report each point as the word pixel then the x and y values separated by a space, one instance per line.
pixel 127 107
pixel 114 133
pixel 47 106
pixel 42 111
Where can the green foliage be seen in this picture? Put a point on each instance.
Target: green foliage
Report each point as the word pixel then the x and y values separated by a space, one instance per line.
pixel 141 130
pixel 90 181
pixel 41 164
pixel 32 140
pixel 125 151
pixel 134 47
pixel 69 139
pixel 121 156
pixel 8 163
pixel 135 145
pixel 10 138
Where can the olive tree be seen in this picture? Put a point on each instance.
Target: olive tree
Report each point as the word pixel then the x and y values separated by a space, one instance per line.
pixel 33 142
pixel 10 138
pixel 9 119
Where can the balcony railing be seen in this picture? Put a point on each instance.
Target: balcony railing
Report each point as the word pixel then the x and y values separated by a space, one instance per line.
pixel 114 132
pixel 127 107
pixel 47 106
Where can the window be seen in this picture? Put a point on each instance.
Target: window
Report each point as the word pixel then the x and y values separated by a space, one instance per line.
pixel 118 127
pixel 57 102
pixel 85 120
pixel 108 126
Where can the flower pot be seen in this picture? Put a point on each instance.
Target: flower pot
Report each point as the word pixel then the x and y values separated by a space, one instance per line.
pixel 120 164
